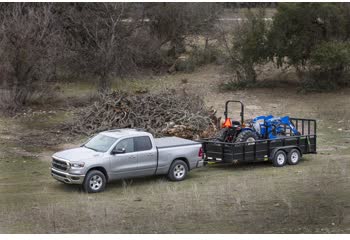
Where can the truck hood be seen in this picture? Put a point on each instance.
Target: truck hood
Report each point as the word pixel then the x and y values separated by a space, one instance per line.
pixel 77 154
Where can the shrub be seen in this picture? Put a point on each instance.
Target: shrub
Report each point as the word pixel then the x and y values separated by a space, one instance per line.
pixel 312 37
pixel 198 57
pixel 247 47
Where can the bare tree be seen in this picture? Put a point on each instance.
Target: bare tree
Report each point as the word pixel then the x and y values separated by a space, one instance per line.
pixel 28 44
pixel 173 22
pixel 100 36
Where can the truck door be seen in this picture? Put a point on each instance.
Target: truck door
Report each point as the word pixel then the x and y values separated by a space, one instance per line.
pixel 146 156
pixel 124 160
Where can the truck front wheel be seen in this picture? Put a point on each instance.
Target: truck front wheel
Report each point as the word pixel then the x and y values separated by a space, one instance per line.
pixel 178 171
pixel 95 181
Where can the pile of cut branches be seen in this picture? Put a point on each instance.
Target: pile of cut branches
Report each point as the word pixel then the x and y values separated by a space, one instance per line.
pixel 163 114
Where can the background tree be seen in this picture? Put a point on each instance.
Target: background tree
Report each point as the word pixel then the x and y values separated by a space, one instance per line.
pixel 312 37
pixel 99 35
pixel 173 22
pixel 246 46
pixel 29 43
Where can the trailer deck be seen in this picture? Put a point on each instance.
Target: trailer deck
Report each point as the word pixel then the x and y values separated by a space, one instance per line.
pixel 263 150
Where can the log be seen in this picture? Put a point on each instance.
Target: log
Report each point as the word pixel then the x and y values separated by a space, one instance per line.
pixel 166 113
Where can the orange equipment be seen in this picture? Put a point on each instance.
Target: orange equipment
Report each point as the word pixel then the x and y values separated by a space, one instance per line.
pixel 227 123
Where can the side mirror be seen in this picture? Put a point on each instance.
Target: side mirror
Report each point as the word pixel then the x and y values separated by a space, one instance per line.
pixel 118 151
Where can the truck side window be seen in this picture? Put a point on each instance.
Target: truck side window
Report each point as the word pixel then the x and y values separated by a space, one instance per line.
pixel 128 144
pixel 142 143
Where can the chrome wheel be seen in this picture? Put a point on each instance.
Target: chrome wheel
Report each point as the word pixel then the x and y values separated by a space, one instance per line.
pixel 179 171
pixel 294 158
pixel 281 158
pixel 96 182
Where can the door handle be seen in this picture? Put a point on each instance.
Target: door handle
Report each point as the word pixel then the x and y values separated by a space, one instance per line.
pixel 132 157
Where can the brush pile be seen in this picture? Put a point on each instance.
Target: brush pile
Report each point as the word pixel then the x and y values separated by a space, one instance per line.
pixel 163 114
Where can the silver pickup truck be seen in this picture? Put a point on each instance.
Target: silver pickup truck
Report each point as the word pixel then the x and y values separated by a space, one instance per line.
pixel 125 153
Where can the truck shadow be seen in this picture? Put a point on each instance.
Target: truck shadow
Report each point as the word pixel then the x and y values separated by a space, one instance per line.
pixel 62 187
pixel 194 175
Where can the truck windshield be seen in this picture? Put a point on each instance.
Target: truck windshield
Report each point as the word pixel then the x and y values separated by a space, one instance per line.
pixel 100 143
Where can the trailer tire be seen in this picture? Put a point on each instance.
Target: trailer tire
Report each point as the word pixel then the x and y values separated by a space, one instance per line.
pixel 94 182
pixel 178 171
pixel 247 136
pixel 294 156
pixel 279 159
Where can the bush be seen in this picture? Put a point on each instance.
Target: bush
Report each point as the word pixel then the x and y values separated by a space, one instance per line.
pixel 331 56
pixel 247 48
pixel 312 37
pixel 198 57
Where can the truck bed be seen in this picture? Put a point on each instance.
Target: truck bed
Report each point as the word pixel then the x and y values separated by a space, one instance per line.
pixel 167 142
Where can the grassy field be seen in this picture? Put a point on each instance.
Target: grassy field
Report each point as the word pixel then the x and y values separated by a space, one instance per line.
pixel 312 197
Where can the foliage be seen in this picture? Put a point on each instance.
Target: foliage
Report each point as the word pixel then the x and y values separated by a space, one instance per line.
pixel 29 45
pixel 39 41
pixel 173 22
pixel 247 47
pixel 299 27
pixel 312 37
pixel 330 56
pixel 102 46
pixel 199 57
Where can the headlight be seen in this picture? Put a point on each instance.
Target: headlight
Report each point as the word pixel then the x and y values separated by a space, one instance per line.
pixel 77 165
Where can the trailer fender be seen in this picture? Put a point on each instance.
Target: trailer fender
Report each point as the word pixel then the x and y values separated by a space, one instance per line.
pixel 286 149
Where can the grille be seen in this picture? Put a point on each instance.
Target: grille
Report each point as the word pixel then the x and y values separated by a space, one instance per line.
pixel 61 165
pixel 59 174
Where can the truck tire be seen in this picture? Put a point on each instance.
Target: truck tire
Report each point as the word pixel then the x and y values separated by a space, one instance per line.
pixel 94 182
pixel 247 136
pixel 280 159
pixel 178 171
pixel 294 156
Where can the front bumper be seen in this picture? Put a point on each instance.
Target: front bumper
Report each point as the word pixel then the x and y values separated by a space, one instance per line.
pixel 67 177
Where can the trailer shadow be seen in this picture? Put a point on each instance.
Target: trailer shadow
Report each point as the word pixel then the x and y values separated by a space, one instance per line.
pixel 240 166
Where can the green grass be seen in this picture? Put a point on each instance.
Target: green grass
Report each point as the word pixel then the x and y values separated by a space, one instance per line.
pixel 311 197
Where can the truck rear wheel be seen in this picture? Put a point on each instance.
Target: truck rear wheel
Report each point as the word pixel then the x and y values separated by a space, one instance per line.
pixel 294 157
pixel 95 181
pixel 178 171
pixel 280 159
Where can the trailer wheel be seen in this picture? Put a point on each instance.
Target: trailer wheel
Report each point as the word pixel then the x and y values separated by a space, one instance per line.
pixel 178 171
pixel 294 157
pixel 280 159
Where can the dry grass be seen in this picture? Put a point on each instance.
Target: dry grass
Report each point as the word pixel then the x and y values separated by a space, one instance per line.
pixel 311 197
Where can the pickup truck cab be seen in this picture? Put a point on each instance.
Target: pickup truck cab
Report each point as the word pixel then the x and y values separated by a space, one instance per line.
pixel 125 153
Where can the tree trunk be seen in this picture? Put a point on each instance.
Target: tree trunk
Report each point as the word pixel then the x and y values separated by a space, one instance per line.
pixel 104 84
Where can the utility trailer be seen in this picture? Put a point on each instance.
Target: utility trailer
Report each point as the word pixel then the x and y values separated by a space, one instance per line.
pixel 286 149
